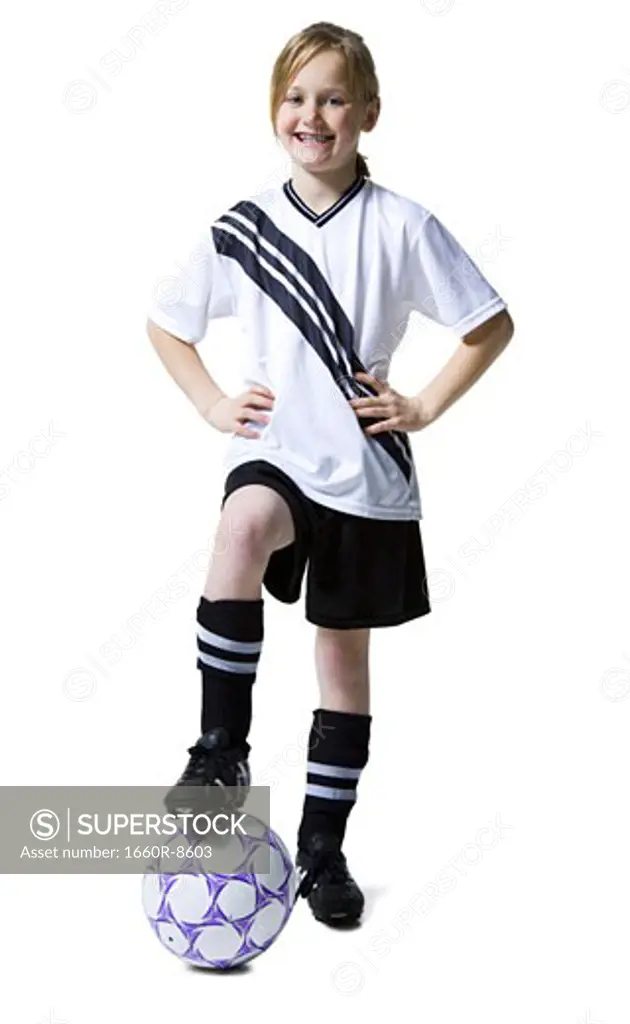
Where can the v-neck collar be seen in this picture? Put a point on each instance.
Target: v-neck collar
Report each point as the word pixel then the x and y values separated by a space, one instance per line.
pixel 319 219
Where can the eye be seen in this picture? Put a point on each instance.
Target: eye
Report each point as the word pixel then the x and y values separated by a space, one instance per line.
pixel 335 99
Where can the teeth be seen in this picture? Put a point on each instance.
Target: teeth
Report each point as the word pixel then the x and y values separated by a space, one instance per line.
pixel 314 138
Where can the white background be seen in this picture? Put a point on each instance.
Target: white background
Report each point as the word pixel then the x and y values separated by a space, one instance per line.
pixel 510 703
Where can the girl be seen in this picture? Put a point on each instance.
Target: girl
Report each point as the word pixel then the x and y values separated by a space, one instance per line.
pixel 323 272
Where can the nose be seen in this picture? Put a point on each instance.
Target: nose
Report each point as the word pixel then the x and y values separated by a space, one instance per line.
pixel 310 115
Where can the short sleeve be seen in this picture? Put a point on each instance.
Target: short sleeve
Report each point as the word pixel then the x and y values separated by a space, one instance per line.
pixel 193 290
pixel 444 284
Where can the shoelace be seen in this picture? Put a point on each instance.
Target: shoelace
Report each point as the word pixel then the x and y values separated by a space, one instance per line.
pixel 202 759
pixel 325 865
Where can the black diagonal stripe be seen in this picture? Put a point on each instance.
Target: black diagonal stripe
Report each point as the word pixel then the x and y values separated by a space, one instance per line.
pixel 314 327
pixel 342 328
pixel 253 267
pixel 400 449
pixel 251 262
pixel 307 268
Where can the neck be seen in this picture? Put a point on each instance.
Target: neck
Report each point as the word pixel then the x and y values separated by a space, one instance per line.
pixel 322 189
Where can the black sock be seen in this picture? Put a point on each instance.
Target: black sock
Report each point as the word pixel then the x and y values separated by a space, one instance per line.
pixel 337 752
pixel 229 644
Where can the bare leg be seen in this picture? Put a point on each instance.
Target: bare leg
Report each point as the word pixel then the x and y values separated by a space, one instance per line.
pixel 255 521
pixel 342 664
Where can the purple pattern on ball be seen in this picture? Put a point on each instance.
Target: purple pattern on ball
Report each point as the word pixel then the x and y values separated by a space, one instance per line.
pixel 248 930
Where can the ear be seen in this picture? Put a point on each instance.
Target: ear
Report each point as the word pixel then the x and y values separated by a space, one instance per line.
pixel 371 116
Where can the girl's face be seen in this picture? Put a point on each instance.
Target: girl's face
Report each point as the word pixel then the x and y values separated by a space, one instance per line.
pixel 317 102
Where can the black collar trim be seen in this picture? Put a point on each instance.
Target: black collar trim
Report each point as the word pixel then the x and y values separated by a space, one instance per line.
pixel 319 219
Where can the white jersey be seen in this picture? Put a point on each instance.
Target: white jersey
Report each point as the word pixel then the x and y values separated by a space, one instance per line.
pixel 321 297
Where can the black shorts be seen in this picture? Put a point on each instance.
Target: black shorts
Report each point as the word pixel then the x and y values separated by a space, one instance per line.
pixel 361 572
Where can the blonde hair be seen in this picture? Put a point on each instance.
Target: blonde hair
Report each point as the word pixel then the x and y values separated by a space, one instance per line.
pixel 302 47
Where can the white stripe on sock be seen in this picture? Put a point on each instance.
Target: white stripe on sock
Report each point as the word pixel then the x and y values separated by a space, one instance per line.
pixel 335 771
pixel 329 792
pixel 243 667
pixel 228 645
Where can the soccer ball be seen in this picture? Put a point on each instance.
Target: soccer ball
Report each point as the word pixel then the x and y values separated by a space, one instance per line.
pixel 222 920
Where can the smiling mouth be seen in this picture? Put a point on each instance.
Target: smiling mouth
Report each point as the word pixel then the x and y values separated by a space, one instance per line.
pixel 312 137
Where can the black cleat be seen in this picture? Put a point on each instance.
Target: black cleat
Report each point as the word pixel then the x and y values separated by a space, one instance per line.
pixel 212 763
pixel 332 893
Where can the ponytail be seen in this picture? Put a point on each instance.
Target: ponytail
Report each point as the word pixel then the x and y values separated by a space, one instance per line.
pixel 362 168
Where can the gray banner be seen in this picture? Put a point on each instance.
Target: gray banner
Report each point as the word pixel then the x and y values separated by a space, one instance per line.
pixel 119 830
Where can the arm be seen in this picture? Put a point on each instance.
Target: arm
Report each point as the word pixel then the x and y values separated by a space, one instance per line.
pixel 184 365
pixel 477 351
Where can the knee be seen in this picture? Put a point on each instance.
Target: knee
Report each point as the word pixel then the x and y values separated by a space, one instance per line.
pixel 245 535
